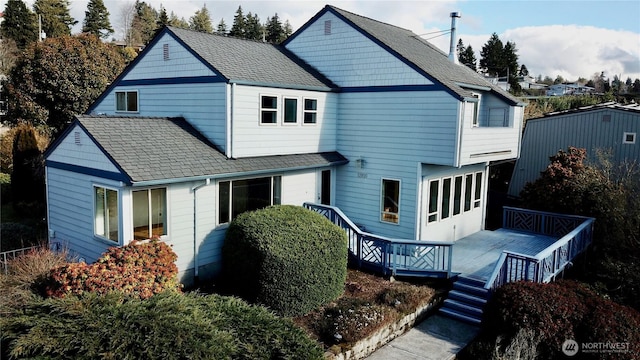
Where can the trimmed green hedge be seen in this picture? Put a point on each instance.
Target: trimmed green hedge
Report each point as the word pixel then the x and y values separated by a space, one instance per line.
pixel 286 257
pixel 166 326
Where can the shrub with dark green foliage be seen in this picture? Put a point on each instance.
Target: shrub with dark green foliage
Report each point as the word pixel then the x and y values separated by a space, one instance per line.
pixel 165 326
pixel 27 177
pixel 141 269
pixel 17 236
pixel 286 257
pixel 556 312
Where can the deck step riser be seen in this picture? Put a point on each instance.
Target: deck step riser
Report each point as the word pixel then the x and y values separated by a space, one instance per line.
pixel 460 316
pixel 468 309
pixel 471 290
pixel 470 281
pixel 466 298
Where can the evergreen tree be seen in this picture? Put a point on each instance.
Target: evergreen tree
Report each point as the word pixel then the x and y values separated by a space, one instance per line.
pixel 274 30
pixel 178 22
pixel 20 24
pixel 288 30
pixel 144 22
pixel 27 180
pixel 466 56
pixel 511 63
pixel 222 28
pixel 459 49
pixel 253 28
pixel 96 20
pixel 201 21
pixel 56 19
pixel 163 18
pixel 239 24
pixel 523 70
pixel 492 61
pixel 636 86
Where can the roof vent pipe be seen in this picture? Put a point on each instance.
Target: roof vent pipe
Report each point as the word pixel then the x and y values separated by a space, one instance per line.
pixel 453 57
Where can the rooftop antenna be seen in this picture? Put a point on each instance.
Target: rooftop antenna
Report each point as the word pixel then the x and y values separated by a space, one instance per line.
pixel 453 57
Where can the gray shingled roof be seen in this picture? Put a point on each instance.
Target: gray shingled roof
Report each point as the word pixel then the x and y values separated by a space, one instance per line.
pixel 153 148
pixel 249 61
pixel 423 54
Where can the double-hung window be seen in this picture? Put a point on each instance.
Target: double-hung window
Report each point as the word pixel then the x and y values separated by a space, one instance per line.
pixel 238 196
pixel 149 213
pixel 268 109
pixel 310 111
pixel 105 216
pixel 434 190
pixel 127 101
pixel 390 211
pixel 475 110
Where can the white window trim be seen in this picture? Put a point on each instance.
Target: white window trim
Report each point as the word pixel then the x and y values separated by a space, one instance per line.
pixel 277 109
pixel 217 190
pixel 382 212
pixel 166 210
pixel 438 194
pixel 127 101
pixel 310 111
pixel 93 214
pixel 624 138
pixel 284 110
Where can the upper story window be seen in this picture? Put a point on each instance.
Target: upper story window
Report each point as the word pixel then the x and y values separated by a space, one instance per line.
pixel 105 215
pixel 268 109
pixel 149 213
pixel 390 201
pixel 310 111
pixel 476 110
pixel 290 110
pixel 629 138
pixel 127 101
pixel 238 196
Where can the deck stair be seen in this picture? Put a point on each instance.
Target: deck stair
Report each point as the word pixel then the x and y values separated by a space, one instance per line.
pixel 466 301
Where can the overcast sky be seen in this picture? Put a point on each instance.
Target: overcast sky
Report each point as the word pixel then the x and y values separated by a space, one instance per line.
pixel 570 38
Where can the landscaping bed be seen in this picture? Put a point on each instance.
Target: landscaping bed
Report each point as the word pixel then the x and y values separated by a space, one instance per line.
pixel 371 307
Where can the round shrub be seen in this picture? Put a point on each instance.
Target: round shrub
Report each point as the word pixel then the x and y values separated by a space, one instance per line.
pixel 286 257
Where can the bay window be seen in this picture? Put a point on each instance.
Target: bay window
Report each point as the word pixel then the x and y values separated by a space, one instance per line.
pixel 149 213
pixel 105 216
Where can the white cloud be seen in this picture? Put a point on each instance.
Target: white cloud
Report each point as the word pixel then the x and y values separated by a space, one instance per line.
pixel 571 51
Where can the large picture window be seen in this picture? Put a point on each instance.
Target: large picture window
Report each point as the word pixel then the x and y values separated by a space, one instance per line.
pixel 105 217
pixel 390 211
pixel 268 109
pixel 149 213
pixel 127 101
pixel 238 196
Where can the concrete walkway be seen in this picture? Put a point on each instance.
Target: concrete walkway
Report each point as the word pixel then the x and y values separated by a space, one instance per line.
pixel 436 338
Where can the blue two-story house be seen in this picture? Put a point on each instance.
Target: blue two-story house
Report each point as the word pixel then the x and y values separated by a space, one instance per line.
pixel 348 111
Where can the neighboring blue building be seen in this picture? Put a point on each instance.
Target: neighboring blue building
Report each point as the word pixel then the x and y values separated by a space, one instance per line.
pixel 610 127
pixel 348 111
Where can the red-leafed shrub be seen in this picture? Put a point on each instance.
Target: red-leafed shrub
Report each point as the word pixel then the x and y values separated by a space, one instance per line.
pixel 140 268
pixel 557 312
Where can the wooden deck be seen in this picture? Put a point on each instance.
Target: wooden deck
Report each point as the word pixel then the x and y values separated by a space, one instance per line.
pixel 475 256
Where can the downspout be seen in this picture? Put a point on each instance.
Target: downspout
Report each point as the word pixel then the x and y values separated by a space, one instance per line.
pixel 196 263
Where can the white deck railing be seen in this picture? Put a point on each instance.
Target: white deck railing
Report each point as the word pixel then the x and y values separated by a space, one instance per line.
pixel 391 256
pixel 576 232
